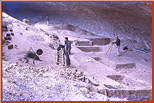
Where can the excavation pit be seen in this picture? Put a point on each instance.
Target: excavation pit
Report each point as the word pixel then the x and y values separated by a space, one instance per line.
pixel 131 95
pixel 117 78
pixel 126 66
pixel 100 41
pixel 90 49
pixel 83 43
pixel 129 82
pixel 97 58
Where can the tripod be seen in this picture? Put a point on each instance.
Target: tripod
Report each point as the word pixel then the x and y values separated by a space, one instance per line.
pixel 110 48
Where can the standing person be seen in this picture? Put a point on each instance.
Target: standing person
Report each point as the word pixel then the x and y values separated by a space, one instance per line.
pixel 67 50
pixel 48 21
pixel 117 42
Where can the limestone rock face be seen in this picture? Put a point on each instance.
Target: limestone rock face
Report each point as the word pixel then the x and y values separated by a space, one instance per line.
pixel 128 20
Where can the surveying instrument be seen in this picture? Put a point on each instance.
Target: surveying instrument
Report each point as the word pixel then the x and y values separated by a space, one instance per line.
pixel 110 49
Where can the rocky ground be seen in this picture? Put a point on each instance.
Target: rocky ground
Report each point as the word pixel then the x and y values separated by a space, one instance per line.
pixel 92 76
pixel 47 84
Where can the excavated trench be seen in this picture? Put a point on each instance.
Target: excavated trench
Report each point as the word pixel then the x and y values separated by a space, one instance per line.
pixel 131 95
pixel 94 45
pixel 126 81
pixel 100 41
pixel 120 66
pixel 84 43
pixel 121 78
pixel 94 41
pixel 127 66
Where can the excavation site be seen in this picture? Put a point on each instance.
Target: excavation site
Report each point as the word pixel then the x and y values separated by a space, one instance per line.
pixel 76 51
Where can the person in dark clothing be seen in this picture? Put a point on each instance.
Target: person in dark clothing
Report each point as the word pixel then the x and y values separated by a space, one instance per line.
pixel 33 55
pixel 48 20
pixel 67 50
pixel 117 42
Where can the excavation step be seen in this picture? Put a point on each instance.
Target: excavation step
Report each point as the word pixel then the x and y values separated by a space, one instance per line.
pixel 90 49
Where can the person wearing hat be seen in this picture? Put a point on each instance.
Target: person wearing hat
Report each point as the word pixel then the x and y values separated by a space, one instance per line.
pixel 33 55
pixel 67 50
pixel 117 42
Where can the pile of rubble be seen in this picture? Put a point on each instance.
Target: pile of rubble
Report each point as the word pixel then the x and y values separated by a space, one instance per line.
pixel 49 84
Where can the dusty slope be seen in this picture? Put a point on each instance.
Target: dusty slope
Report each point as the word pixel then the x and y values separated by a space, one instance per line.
pixel 30 82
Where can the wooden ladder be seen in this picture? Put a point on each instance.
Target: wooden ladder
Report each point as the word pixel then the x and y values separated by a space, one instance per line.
pixel 60 57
